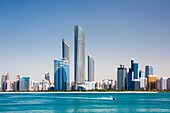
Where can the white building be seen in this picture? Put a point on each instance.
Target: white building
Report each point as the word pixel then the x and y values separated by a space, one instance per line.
pixel 45 85
pixel 8 85
pixel 163 83
pixel 143 83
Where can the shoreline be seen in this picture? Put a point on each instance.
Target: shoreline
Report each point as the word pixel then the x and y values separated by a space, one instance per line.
pixel 78 92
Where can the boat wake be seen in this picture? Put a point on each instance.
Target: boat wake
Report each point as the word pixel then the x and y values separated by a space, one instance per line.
pixel 88 98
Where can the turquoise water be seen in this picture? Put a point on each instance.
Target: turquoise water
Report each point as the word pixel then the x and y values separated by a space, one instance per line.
pixel 85 102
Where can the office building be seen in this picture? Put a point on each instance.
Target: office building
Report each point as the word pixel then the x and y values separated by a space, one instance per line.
pixel 8 85
pixel 163 83
pixel 151 82
pixel 79 56
pixel 168 84
pixel 136 84
pixel 148 70
pixel 141 74
pixel 143 83
pixel 65 51
pixel 47 77
pixel 61 75
pixel 4 78
pixel 45 85
pixel 135 68
pixel 90 68
pixel 24 83
pixel 121 75
pixel 129 80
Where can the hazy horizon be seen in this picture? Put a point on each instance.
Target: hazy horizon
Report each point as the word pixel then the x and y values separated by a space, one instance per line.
pixel 115 31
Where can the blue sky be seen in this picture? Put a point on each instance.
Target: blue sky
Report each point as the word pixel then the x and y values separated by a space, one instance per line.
pixel 116 31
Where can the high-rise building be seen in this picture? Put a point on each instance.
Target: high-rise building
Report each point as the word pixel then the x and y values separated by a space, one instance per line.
pixel 141 74
pixel 4 78
pixel 47 77
pixel 65 51
pixel 143 83
pixel 24 83
pixel 79 56
pixel 151 82
pixel 168 84
pixel 148 70
pixel 121 75
pixel 136 84
pixel 129 80
pixel 61 75
pixel 132 62
pixel 90 68
pixel 163 83
pixel 135 68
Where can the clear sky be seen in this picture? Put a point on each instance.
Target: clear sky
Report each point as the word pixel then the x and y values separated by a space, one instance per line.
pixel 116 31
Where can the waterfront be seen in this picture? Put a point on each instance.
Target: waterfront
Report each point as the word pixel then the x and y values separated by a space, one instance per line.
pixel 85 102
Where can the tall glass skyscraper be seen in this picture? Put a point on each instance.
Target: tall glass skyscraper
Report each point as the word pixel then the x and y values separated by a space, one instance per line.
pixel 65 51
pixel 121 75
pixel 129 80
pixel 90 68
pixel 148 70
pixel 61 75
pixel 79 56
pixel 135 69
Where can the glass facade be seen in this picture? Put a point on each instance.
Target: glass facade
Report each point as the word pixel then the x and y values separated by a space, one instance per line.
pixel 135 68
pixel 24 83
pixel 121 75
pixel 65 51
pixel 148 70
pixel 79 56
pixel 129 80
pixel 61 75
pixel 90 68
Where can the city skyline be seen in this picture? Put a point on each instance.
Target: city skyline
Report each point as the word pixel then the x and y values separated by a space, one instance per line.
pixel 31 33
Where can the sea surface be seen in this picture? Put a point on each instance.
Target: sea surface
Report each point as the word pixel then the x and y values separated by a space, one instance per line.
pixel 85 102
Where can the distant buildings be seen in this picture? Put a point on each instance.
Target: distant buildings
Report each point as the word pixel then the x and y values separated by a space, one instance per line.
pixel 163 83
pixel 90 68
pixel 24 83
pixel 47 77
pixel 65 51
pixel 121 75
pixel 151 82
pixel 168 84
pixel 148 70
pixel 79 56
pixel 136 84
pixel 5 83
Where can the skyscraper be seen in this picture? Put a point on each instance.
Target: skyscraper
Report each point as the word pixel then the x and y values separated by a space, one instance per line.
pixel 148 70
pixel 135 69
pixel 79 56
pixel 65 51
pixel 61 75
pixel 129 80
pixel 4 78
pixel 163 83
pixel 141 74
pixel 47 77
pixel 90 68
pixel 24 83
pixel 121 75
